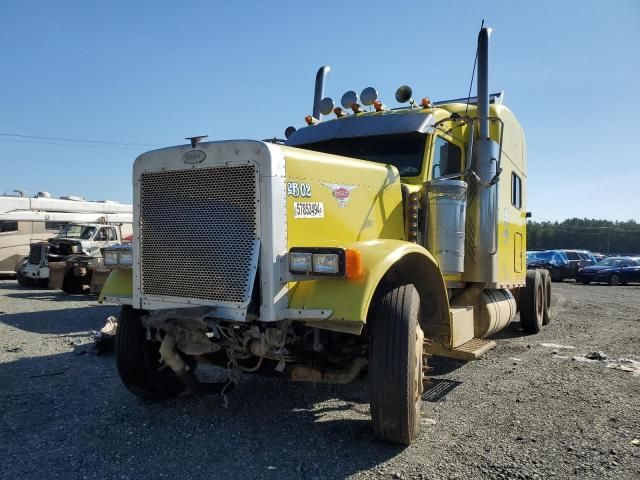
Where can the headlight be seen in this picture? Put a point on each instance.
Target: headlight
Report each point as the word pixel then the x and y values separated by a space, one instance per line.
pixel 110 257
pixel 315 262
pixel 126 258
pixel 300 262
pixel 326 263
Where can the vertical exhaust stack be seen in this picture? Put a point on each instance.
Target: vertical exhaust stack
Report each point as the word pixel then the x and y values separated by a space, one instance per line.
pixel 483 82
pixel 319 92
pixel 482 234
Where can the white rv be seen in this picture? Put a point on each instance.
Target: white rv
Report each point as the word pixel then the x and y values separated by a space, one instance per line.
pixel 24 220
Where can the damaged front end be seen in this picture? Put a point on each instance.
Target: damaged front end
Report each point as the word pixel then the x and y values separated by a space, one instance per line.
pixel 187 337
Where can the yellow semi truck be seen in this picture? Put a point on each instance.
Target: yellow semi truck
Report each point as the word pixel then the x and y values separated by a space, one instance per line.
pixel 361 244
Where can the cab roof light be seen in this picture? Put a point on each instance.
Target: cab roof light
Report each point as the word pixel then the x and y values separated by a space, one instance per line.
pixel 368 96
pixel 339 112
pixel 326 106
pixel 311 120
pixel 350 100
pixel 403 95
pixel 379 106
pixel 426 103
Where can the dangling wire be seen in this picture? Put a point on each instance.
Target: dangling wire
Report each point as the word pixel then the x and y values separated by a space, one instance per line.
pixel 475 61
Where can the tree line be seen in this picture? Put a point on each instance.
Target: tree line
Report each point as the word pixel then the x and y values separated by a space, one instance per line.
pixel 583 233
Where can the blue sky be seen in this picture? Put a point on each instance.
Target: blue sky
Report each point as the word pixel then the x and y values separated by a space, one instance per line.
pixel 153 73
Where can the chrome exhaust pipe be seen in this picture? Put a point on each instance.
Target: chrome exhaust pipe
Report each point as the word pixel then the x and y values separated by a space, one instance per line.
pixel 319 92
pixel 483 82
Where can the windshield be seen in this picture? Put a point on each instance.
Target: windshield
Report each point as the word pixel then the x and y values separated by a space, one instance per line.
pixel 555 258
pixel 614 262
pixel 82 232
pixel 544 256
pixel 405 151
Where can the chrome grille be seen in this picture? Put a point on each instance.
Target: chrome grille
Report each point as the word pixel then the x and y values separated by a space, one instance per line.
pixel 198 232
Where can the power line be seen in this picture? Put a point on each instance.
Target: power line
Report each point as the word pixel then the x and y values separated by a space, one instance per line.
pixel 78 140
pixel 87 145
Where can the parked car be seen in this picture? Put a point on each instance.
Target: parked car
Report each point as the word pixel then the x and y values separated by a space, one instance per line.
pixel 613 270
pixel 577 260
pixel 555 261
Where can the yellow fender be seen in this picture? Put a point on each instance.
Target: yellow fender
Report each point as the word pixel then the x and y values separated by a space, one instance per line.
pixel 118 287
pixel 350 299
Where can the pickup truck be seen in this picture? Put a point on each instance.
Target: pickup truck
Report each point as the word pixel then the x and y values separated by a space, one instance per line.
pixel 69 260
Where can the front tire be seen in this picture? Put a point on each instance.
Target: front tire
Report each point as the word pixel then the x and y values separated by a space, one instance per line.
pixel 532 301
pixel 615 280
pixel 395 365
pixel 138 360
pixel 72 284
pixel 23 280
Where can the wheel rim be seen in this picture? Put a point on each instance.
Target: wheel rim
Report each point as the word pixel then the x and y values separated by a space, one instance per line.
pixel 615 280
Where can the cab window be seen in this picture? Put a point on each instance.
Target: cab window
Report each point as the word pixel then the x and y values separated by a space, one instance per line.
pixel 447 158
pixel 8 226
pixel 54 225
pixel 106 234
pixel 101 235
pixel 573 256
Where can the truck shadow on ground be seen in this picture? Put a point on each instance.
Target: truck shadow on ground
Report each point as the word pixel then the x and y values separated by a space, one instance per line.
pixel 59 322
pixel 513 330
pixel 270 428
pixel 13 290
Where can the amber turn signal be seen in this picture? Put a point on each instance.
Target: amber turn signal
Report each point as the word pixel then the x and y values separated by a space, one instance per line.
pixel 354 265
pixel 339 112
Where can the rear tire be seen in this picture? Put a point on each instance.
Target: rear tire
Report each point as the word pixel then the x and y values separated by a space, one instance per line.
pixel 532 301
pixel 138 360
pixel 395 365
pixel 72 284
pixel 546 282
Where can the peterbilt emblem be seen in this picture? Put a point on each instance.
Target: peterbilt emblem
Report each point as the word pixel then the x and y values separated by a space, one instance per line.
pixel 193 156
pixel 342 193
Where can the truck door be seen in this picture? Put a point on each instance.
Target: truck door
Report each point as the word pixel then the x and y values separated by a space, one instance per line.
pixel 104 237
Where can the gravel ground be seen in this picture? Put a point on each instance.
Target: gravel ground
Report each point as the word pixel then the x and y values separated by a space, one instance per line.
pixel 534 407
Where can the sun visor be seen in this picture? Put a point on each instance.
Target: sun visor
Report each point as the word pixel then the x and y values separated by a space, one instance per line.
pixel 363 126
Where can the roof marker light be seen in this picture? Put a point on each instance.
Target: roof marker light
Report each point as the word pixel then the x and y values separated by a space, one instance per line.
pixel 350 100
pixel 426 103
pixel 368 96
pixel 289 131
pixel 339 112
pixel 379 106
pixel 311 120
pixel 403 95
pixel 326 106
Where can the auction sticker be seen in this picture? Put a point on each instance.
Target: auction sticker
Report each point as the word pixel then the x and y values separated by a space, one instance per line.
pixel 308 210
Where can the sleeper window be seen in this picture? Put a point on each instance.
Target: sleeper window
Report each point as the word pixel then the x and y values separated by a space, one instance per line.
pixel 516 191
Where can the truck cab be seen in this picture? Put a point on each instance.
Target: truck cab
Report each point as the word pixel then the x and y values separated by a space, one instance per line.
pixel 360 244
